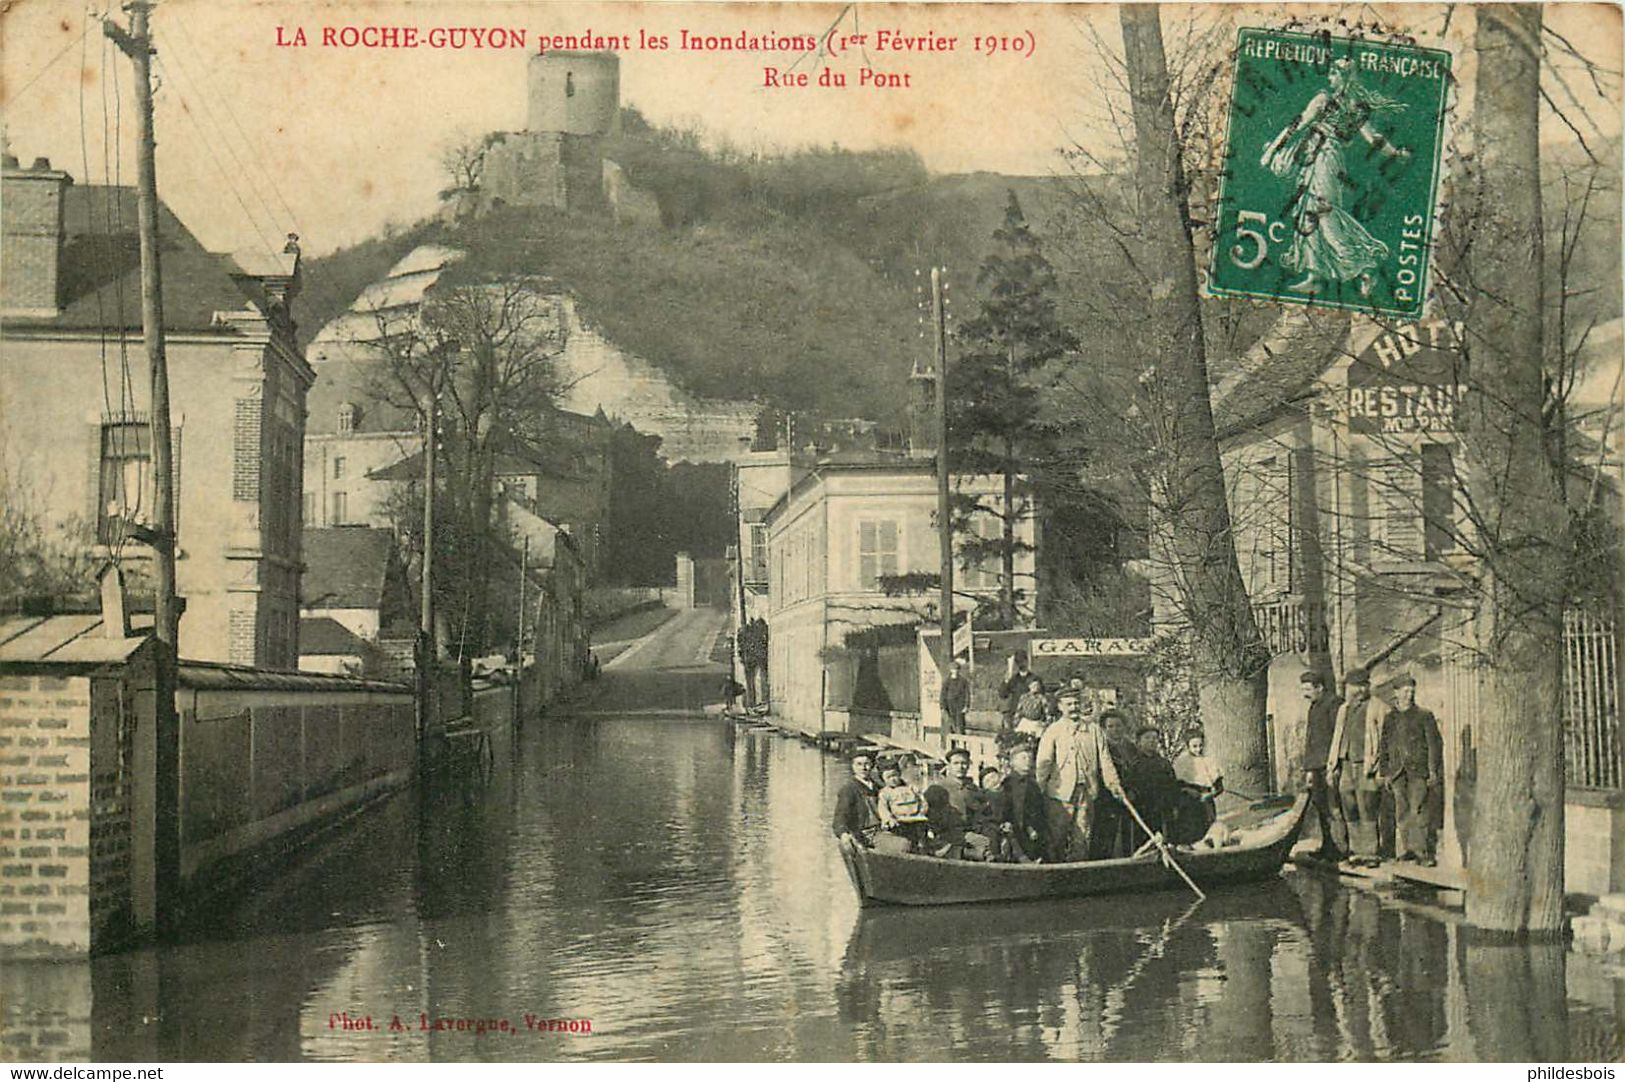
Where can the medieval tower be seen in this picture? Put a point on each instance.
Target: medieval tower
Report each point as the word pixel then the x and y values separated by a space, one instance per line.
pixel 574 101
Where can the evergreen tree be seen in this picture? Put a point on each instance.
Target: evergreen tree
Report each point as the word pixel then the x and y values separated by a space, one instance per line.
pixel 993 394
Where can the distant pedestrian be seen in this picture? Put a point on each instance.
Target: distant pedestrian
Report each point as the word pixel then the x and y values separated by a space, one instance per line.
pixel 955 700
pixel 1017 676
pixel 1410 762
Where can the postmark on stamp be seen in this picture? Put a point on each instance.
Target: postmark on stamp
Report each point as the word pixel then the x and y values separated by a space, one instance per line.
pixel 1331 172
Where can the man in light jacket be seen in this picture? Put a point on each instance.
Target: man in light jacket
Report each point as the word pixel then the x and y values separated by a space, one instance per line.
pixel 1351 765
pixel 1074 764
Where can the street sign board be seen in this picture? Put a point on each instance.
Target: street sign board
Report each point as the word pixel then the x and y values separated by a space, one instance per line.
pixel 1089 647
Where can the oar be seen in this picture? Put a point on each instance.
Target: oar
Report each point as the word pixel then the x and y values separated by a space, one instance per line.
pixel 1162 845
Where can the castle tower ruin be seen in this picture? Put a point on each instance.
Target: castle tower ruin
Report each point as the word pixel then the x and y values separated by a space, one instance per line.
pixel 573 103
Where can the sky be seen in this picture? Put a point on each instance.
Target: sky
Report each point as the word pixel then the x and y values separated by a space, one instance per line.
pixel 256 140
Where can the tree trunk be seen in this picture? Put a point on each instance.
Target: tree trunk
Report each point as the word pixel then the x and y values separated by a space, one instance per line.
pixel 1232 665
pixel 1516 878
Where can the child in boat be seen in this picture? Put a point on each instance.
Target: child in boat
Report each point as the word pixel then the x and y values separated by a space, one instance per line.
pixel 902 807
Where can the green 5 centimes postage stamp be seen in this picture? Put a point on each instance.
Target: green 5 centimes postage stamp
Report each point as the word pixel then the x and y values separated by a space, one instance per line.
pixel 1331 172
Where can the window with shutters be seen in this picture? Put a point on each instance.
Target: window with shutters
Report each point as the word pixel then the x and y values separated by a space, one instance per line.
pixel 756 566
pixel 1412 499
pixel 338 467
pixel 981 572
pixel 341 509
pixel 877 552
pixel 1262 518
pixel 124 485
pixel 1438 500
pixel 125 488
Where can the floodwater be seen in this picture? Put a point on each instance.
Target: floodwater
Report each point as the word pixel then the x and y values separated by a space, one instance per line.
pixel 673 883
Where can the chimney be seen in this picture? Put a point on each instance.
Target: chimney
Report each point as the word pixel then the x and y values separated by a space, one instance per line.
pixel 31 239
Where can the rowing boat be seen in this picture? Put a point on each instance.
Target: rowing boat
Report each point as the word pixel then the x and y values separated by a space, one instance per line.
pixel 907 879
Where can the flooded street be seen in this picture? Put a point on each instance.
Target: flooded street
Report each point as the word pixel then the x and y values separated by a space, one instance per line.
pixel 674 884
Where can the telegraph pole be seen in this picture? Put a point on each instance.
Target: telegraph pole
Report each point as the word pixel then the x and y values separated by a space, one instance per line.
pixel 427 650
pixel 519 634
pixel 945 531
pixel 136 43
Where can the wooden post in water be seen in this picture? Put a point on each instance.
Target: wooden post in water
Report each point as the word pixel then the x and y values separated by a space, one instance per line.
pixel 136 43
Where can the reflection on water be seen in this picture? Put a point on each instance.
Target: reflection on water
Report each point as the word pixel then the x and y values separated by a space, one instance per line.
pixel 674 884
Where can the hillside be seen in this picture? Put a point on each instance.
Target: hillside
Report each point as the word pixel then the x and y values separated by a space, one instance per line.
pixel 792 279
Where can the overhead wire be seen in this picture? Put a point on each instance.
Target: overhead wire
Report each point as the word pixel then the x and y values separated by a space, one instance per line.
pixel 225 102
pixel 172 64
pixel 191 114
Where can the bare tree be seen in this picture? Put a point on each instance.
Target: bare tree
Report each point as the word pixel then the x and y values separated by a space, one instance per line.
pixel 1191 519
pixel 488 352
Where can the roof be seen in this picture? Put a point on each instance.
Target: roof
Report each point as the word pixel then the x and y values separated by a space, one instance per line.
pixel 101 267
pixel 325 636
pixel 206 675
pixel 1284 367
pixel 345 567
pixel 67 640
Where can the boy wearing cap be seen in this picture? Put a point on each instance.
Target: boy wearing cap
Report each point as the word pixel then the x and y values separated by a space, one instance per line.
pixel 1410 762
pixel 856 816
pixel 1351 766
pixel 1023 818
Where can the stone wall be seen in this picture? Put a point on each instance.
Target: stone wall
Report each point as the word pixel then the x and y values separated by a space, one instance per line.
pixel 1594 843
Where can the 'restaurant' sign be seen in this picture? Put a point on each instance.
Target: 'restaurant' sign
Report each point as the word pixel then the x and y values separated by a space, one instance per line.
pixel 1409 380
pixel 1089 647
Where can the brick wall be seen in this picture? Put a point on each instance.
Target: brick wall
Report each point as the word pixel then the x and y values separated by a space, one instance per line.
pixel 30 258
pixel 45 813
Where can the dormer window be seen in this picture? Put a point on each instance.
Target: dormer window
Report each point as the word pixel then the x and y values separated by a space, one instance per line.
pixel 347 416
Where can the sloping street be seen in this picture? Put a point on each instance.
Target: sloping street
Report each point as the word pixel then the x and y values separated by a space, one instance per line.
pixel 672 670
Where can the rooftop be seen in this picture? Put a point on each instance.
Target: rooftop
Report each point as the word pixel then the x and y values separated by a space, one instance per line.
pixel 101 268
pixel 345 567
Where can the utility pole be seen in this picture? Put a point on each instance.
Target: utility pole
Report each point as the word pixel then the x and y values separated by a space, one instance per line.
pixel 427 650
pixel 136 43
pixel 945 530
pixel 519 635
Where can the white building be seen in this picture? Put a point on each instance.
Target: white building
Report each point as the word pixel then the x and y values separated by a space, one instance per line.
pixel 841 534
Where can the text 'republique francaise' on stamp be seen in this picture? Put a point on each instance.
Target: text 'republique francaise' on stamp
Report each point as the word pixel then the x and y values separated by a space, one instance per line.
pixel 1331 172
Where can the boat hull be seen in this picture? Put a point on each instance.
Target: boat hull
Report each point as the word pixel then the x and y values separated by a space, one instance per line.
pixel 890 879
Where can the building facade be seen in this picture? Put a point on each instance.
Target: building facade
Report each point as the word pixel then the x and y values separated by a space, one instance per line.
pixel 1354 534
pixel 76 394
pixel 843 544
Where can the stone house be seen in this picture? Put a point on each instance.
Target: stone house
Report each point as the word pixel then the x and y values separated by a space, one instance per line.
pixel 74 389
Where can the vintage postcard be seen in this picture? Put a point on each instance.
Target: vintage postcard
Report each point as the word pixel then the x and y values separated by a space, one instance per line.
pixel 811 532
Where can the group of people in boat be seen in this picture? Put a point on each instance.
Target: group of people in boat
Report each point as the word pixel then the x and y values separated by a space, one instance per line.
pixel 1075 782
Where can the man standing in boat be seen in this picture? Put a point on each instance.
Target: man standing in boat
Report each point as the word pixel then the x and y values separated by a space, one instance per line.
pixel 1074 765
pixel 857 815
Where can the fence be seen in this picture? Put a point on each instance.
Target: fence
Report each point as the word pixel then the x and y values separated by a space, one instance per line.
pixel 1591 700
